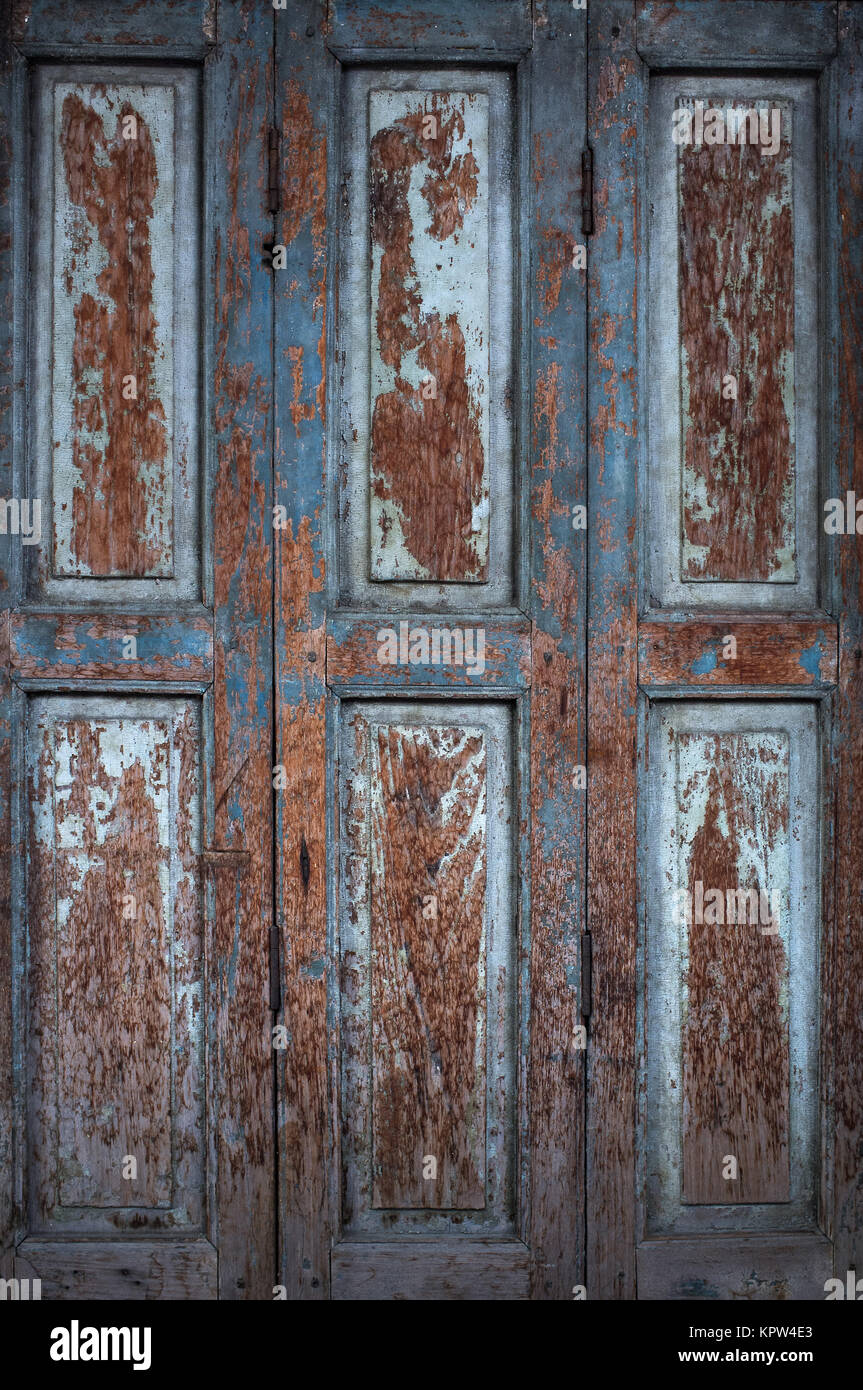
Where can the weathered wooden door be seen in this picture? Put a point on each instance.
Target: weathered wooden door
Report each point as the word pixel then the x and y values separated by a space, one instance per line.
pixel 430 601
pixel 136 1100
pixel 724 699
pixel 429 594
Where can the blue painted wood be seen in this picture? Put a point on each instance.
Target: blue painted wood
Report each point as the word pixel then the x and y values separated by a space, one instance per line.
pixel 178 28
pixel 238 105
pixel 553 344
pixel 738 33
pixel 615 102
pixel 425 25
pixel 304 873
pixel 847 1215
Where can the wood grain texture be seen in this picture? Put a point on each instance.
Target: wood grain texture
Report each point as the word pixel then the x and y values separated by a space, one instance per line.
pixel 303 876
pixel 736 244
pixel 63 646
pixel 768 652
pixel 124 1269
pixel 753 1268
pixel 430 335
pixel 424 1270
pixel 428 905
pixel 614 99
pixel 7 1042
pixel 848 1017
pixel 237 117
pixel 175 28
pixel 9 580
pixel 113 317
pixel 554 1187
pixel 417 25
pixel 469 654
pixel 732 835
pixel 679 33
pixel 116 967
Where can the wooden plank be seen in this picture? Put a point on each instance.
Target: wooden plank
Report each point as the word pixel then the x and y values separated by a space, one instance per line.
pixel 615 100
pixel 737 252
pixel 738 33
pixel 418 26
pixel 181 28
pixel 428 902
pixel 848 1018
pixel 751 1267
pixel 120 1269
pixel 554 344
pixel 428 650
pixel 239 99
pixel 733 818
pixel 7 1041
pixel 73 646
pixel 768 652
pixel 444 1270
pixel 9 582
pixel 429 195
pixel 304 96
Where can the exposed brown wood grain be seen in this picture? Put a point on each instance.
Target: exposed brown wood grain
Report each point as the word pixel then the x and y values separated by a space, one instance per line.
pixel 736 1070
pixel 304 1134
pixel 116 966
pixel 737 317
pixel 353 648
pixel 848 1016
pixel 241 1069
pixel 612 843
pixel 120 447
pixel 428 904
pixel 63 646
pixel 555 1093
pixel 769 652
pixel 428 462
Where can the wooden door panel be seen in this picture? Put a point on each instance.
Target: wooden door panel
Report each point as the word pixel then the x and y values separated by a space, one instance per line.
pixel 430 652
pixel 733 416
pixel 428 369
pixel 733 967
pixel 428 969
pixel 715 311
pixel 138 693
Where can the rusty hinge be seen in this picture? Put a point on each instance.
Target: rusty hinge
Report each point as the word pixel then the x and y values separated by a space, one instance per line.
pixel 273 171
pixel 587 192
pixel 275 971
pixel 586 973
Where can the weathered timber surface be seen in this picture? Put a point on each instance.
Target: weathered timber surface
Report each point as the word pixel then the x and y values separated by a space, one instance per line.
pixel 614 97
pixel 240 101
pixel 304 95
pixel 769 652
pixel 60 646
pixel 848 1018
pixel 554 1185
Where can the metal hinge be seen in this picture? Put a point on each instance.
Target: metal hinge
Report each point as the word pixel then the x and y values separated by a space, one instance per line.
pixel 586 973
pixel 275 971
pixel 273 171
pixel 587 192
